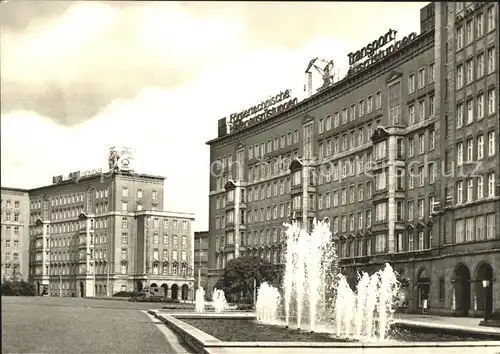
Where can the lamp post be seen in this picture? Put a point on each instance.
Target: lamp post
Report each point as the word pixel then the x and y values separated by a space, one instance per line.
pixel 486 284
pixel 60 282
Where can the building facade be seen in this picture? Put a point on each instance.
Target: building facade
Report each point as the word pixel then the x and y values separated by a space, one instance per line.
pixel 401 155
pixel 201 259
pixel 15 234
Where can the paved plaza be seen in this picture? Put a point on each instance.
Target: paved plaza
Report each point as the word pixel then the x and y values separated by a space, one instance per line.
pixel 74 325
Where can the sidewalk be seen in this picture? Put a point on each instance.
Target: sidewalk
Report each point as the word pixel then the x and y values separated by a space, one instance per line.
pixel 464 323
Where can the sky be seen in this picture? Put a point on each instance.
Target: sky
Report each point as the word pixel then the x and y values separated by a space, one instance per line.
pixel 79 77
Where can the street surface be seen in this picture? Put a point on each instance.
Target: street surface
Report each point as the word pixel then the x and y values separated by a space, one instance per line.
pixel 75 325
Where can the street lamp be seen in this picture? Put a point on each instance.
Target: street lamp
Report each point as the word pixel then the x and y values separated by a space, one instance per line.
pixel 486 284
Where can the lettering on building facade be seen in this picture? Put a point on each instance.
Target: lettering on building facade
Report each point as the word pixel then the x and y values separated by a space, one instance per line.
pixel 261 111
pixel 375 52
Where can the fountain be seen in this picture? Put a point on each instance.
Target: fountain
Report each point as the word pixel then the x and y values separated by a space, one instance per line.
pixel 219 301
pixel 200 300
pixel 268 300
pixel 365 313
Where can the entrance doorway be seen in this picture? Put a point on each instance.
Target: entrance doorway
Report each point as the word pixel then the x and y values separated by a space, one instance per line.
pixel 485 295
pixel 175 291
pixel 184 292
pixel 139 286
pixel 423 288
pixel 462 290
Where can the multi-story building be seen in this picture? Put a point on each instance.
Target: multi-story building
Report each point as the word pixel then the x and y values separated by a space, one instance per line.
pixel 15 235
pixel 401 155
pixel 94 234
pixel 201 259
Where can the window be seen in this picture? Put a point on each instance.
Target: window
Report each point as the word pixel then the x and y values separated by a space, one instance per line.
pixel 480 106
pixel 124 237
pixel 381 212
pixel 395 103
pixel 460 76
pixel 411 114
pixel 432 172
pixel 124 192
pixel 480 65
pixel 124 206
pixel 421 176
pixel 490 15
pixel 491 185
pixel 432 107
pixel 410 210
pixel 470 71
pixel 344 116
pixel 432 139
pixel 399 210
pixel 411 83
pixel 460 154
pixel 480 229
pixel 460 192
pixel 491 102
pixel 491 143
pixel 459 231
pixel 369 104
pixel 459 37
pixel 378 100
pixel 479 25
pixel 421 208
pixel 470 111
pixel 470 150
pixel 469 31
pixel 421 143
pixel 480 187
pixel 124 223
pixel 460 115
pixel 321 126
pixel 361 108
pixel 411 147
pixel 421 78
pixel 491 60
pixel 470 190
pixel 431 72
pixel 490 226
pixel 431 205
pixel 352 112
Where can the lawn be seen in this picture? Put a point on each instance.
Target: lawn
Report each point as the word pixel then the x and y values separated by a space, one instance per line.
pixel 243 330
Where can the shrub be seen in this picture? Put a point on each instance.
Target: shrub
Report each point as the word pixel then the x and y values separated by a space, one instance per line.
pixel 127 294
pixel 18 288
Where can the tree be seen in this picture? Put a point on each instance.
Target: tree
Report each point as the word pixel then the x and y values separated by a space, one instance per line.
pixel 240 274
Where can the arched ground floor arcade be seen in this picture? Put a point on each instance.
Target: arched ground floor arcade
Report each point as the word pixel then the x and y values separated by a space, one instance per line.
pixel 465 285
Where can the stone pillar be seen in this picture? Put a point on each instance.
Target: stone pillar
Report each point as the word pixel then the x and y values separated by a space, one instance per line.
pixel 391 192
pixel 237 200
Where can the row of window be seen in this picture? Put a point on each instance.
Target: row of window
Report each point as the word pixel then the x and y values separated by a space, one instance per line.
pixel 156 255
pixel 271 167
pixel 8 204
pixel 16 244
pixel 465 195
pixel 349 114
pixel 465 73
pixel 421 78
pixel 467 116
pixel 474 28
pixel 346 142
pixel 259 150
pixel 8 217
pixel 156 239
pixel 326 200
pixel 476 228
pixel 8 231
pixel 469 155
pixel 7 257
pixel 140 193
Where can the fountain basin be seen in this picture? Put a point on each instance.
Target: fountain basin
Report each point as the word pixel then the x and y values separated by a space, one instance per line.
pixel 209 342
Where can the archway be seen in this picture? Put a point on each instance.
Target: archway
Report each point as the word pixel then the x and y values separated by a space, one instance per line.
pixel 423 287
pixel 139 286
pixel 82 289
pixel 184 292
pixel 175 291
pixel 462 290
pixel 165 289
pixel 484 295
pixel 153 285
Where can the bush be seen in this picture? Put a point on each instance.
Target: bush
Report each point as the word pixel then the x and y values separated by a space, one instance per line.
pixel 245 307
pixel 127 294
pixel 18 288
